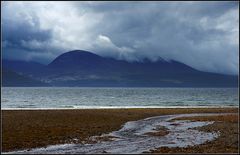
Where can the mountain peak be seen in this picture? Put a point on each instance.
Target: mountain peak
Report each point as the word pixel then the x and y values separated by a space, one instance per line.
pixel 79 53
pixel 75 58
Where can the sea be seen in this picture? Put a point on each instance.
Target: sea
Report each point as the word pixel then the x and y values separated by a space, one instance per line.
pixel 102 97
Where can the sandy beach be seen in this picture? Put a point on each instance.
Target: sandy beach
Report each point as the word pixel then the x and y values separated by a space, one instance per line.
pixel 26 129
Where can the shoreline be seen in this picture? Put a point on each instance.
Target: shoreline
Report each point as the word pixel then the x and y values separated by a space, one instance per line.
pixel 25 129
pixel 121 107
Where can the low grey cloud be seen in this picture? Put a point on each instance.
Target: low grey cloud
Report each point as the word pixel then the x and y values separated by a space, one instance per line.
pixel 203 35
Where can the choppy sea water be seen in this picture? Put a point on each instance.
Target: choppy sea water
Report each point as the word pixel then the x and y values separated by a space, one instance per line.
pixel 79 97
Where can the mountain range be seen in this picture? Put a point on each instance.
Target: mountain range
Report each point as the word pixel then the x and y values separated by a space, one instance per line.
pixel 83 68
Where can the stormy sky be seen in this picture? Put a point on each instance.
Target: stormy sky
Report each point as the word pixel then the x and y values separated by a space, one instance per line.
pixel 204 35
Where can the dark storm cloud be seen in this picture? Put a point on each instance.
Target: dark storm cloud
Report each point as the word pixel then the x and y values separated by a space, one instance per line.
pixel 203 35
pixel 17 31
pixel 14 37
pixel 23 31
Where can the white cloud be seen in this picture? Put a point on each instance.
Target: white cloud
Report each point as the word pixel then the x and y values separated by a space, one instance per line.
pixel 109 48
pixel 105 41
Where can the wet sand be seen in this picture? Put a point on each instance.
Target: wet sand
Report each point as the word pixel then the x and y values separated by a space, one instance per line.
pixel 24 129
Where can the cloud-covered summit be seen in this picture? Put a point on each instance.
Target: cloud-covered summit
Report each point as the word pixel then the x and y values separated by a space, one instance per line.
pixel 204 35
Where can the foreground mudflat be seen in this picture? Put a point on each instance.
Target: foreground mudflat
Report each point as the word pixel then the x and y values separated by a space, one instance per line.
pixel 31 129
pixel 133 137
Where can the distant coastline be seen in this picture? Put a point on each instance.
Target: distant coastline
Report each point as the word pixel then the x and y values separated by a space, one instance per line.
pixel 86 69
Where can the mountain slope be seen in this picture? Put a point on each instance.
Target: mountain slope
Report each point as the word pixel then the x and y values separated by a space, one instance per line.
pixel 82 68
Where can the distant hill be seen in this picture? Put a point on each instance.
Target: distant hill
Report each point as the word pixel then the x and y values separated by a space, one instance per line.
pixel 82 68
pixel 23 67
pixel 13 79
